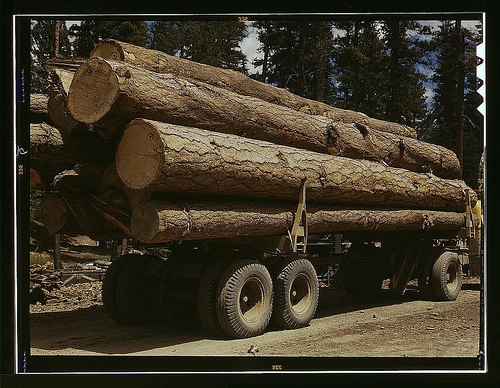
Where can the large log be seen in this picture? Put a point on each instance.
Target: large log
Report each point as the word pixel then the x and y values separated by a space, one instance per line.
pixel 58 101
pixel 38 108
pixel 49 154
pixel 56 216
pixel 162 221
pixel 237 82
pixel 165 157
pixel 53 150
pixel 107 94
pixel 111 180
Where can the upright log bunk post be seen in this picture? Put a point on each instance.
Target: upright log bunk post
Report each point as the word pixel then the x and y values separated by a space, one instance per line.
pixel 298 234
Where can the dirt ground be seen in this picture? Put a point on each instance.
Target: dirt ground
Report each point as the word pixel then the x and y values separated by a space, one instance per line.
pixel 74 322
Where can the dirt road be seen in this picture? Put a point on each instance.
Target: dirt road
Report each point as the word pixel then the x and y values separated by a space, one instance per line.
pixel 382 325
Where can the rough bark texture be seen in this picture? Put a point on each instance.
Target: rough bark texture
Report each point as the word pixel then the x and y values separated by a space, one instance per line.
pixel 56 216
pixel 162 221
pixel 164 97
pixel 39 111
pixel 112 181
pixel 53 150
pixel 165 157
pixel 58 102
pixel 360 142
pixel 236 82
pixel 76 195
pixel 49 154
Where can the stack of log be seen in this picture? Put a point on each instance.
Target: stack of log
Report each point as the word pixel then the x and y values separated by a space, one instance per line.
pixel 149 146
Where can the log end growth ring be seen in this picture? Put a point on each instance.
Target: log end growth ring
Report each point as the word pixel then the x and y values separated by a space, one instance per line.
pixel 93 91
pixel 54 212
pixel 144 222
pixel 139 157
pixel 108 49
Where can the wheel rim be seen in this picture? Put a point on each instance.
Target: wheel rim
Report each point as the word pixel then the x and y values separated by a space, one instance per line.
pixel 300 294
pixel 451 277
pixel 251 300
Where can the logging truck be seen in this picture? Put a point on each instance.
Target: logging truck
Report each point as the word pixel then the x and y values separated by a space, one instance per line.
pixel 240 284
pixel 241 197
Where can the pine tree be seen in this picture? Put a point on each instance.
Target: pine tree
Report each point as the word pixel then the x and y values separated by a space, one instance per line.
pixel 90 32
pixel 447 42
pixel 296 56
pixel 215 43
pixel 360 67
pixel 43 48
pixel 405 101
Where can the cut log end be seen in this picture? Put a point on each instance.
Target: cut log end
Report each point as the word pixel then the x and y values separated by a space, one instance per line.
pixel 108 50
pixel 54 212
pixel 93 91
pixel 144 224
pixel 140 156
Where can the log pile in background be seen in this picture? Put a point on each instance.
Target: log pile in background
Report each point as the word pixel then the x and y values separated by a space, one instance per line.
pixel 130 133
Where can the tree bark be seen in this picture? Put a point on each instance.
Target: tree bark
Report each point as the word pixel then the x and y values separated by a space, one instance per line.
pixel 360 142
pixel 49 154
pixel 56 216
pixel 53 150
pixel 236 82
pixel 111 180
pixel 58 101
pixel 123 92
pixel 39 111
pixel 165 157
pixel 162 221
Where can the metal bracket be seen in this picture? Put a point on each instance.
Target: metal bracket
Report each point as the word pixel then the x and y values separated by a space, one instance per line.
pixel 469 217
pixel 299 232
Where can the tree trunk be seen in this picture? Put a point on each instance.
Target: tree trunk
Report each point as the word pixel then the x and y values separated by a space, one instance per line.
pixel 56 216
pixel 76 196
pixel 162 221
pixel 58 100
pixel 234 81
pixel 460 94
pixel 49 154
pixel 123 92
pixel 360 142
pixel 39 111
pixel 111 180
pixel 165 157
pixel 53 150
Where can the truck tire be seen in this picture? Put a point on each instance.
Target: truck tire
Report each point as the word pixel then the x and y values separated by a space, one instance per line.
pixel 244 299
pixel 135 290
pixel 110 286
pixel 424 272
pixel 206 297
pixel 296 293
pixel 447 276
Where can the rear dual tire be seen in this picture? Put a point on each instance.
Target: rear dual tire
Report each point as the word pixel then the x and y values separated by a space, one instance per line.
pixel 440 276
pixel 296 291
pixel 244 299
